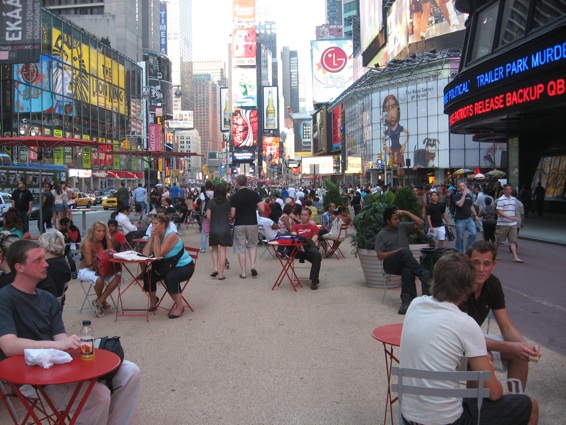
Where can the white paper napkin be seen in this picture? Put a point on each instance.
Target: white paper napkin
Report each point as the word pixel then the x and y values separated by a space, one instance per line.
pixel 45 357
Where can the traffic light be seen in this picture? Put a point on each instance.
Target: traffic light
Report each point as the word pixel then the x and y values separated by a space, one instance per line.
pixel 205 168
pixel 379 156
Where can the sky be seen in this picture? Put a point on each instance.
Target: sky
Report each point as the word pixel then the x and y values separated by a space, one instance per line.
pixel 296 22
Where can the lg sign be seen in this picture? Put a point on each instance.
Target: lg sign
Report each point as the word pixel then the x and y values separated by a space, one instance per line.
pixel 334 59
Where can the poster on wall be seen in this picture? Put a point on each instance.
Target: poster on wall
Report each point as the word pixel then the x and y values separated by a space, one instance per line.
pixel 244 128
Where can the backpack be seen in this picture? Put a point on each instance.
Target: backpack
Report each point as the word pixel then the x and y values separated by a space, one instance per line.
pixel 114 345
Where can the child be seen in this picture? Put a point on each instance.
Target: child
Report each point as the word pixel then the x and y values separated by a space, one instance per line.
pixel 118 238
pixel 72 235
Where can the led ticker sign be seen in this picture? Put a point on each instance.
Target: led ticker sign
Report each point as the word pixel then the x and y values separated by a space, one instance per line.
pixel 531 93
pixel 549 54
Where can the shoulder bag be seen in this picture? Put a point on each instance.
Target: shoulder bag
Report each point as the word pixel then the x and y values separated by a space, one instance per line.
pixel 102 265
pixel 161 267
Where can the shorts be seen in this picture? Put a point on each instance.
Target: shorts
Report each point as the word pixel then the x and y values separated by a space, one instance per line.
pixel 245 237
pixel 510 409
pixel 58 208
pixel 87 275
pixel 506 232
pixel 439 233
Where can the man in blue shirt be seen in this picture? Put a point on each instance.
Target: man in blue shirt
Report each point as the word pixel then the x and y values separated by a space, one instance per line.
pixel 174 191
pixel 140 196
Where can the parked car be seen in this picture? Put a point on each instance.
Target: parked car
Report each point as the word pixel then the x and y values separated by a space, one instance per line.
pixel 83 200
pixel 111 201
pixel 5 203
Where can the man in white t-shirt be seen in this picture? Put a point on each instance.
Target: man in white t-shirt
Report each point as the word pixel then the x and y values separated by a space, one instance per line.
pixel 507 221
pixel 438 336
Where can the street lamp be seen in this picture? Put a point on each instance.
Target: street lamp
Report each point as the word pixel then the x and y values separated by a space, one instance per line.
pixel 178 93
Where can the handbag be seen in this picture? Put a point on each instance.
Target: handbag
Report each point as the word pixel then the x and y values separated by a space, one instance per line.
pixel 102 265
pixel 161 267
pixel 206 226
pixel 449 233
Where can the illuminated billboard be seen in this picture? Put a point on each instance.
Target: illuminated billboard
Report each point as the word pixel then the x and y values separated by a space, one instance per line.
pixel 244 88
pixel 244 128
pixel 333 68
pixel 271 150
pixel 244 46
pixel 319 138
pixel 20 34
pixel 337 128
pixel 163 27
pixel 271 108
pixel 225 110
pixel 182 120
pixel 317 165
pixel 302 129
pixel 397 27
pixel 371 21
pixel 243 10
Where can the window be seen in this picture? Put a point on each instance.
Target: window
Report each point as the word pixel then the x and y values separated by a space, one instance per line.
pixel 484 33
pixel 514 22
pixel 547 11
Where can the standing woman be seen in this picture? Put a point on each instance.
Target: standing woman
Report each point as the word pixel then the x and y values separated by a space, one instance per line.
pixel 167 244
pixel 58 206
pixel 220 237
pixel 97 240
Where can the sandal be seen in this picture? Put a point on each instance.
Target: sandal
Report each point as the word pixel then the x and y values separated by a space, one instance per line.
pixel 154 308
pixel 107 307
pixel 98 309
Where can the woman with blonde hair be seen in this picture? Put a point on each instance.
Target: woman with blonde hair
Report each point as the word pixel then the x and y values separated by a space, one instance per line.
pixel 97 240
pixel 168 245
pixel 58 272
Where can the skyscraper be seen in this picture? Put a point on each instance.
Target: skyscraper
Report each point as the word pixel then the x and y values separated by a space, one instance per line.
pixel 206 111
pixel 290 80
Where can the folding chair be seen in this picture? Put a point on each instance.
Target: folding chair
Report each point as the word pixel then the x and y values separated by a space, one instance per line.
pixel 90 295
pixel 432 377
pixel 264 242
pixel 334 249
pixel 193 252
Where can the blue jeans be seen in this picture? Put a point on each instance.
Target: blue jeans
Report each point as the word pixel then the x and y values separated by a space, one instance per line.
pixel 465 225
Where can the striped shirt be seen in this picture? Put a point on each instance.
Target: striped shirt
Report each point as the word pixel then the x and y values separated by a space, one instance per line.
pixel 507 205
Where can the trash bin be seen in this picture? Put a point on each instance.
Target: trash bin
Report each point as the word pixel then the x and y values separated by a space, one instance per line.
pixel 429 257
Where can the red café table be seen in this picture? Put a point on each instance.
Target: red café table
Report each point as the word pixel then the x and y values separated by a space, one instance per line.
pixel 136 269
pixel 14 371
pixel 389 336
pixel 287 267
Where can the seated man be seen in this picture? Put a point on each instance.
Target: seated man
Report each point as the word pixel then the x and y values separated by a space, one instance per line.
pixel 118 239
pixel 392 246
pixel 326 220
pixel 455 339
pixel 31 318
pixel 309 232
pixel 510 352
pixel 270 228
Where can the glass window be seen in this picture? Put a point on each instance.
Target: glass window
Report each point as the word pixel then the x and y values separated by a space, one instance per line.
pixel 484 32
pixel 547 11
pixel 514 22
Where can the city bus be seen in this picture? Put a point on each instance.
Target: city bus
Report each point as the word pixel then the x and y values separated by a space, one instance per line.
pixel 11 173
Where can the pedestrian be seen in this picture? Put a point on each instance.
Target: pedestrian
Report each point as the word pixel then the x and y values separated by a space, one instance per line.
pixel 489 216
pixel 155 198
pixel 538 196
pixel 59 204
pixel 206 195
pixel 507 221
pixel 435 212
pixel 31 318
pixel 71 203
pixel 22 200
pixel 140 197
pixel 465 217
pixel 220 235
pixel 122 195
pixel 244 204
pixel 47 202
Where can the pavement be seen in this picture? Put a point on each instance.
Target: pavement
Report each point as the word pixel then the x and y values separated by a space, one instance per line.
pixel 252 356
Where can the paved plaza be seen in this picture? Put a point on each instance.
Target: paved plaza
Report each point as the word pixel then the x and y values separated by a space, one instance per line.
pixel 252 356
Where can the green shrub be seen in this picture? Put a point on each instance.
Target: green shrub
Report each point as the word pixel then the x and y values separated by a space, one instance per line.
pixel 332 195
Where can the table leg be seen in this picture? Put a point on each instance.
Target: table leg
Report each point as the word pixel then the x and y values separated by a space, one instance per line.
pixel 123 287
pixel 389 358
pixel 84 220
pixel 286 265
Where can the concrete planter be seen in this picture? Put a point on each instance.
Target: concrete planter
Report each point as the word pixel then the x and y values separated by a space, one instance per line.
pixel 373 270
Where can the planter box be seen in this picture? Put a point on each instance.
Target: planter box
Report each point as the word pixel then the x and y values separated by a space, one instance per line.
pixel 373 270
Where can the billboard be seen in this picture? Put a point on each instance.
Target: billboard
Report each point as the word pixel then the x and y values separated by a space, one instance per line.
pixel 244 46
pixel 154 137
pixel 371 21
pixel 20 34
pixel 244 88
pixel 338 126
pixel 182 120
pixel 271 110
pixel 333 68
pixel 271 150
pixel 397 27
pixel 239 156
pixel 163 27
pixel 319 135
pixel 225 110
pixel 317 165
pixel 303 136
pixel 244 128
pixel 243 10
pixel 329 31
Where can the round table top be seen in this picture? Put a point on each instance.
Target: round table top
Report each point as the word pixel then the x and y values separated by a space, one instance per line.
pixel 15 370
pixel 389 334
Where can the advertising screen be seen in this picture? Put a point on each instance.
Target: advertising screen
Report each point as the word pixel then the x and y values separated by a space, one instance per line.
pixel 243 10
pixel 271 150
pixel 271 108
pixel 244 46
pixel 333 68
pixel 317 165
pixel 225 110
pixel 244 88
pixel 371 21
pixel 244 128
pixel 20 34
pixel 303 137
pixel 337 128
pixel 182 120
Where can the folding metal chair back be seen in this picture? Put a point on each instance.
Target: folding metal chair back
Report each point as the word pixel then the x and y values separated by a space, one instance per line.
pixel 334 249
pixel 264 242
pixel 193 252
pixel 402 388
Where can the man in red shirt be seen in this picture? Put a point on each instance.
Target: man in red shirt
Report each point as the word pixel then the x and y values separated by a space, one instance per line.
pixel 309 232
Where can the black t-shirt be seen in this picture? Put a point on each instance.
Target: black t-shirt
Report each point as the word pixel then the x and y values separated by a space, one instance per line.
pixel 49 201
pixel 245 201
pixel 465 211
pixel 435 211
pixel 491 298
pixel 21 199
pixel 58 273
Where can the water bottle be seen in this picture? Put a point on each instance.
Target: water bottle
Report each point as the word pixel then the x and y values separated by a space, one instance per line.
pixel 87 341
